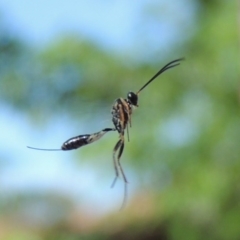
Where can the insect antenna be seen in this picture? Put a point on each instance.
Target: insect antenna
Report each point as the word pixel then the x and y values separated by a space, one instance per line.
pixel 171 64
pixel 45 149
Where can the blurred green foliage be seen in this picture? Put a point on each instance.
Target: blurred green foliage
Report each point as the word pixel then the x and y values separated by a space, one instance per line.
pixel 185 137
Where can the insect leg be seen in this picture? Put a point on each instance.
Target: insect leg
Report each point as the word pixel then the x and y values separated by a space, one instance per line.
pixel 128 133
pixel 123 174
pixel 117 166
pixel 118 161
pixel 128 111
pixel 115 163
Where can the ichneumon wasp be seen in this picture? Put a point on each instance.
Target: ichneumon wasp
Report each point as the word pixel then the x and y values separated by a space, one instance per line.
pixel 121 117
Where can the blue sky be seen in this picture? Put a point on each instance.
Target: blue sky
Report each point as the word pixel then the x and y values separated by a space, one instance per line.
pixel 112 24
pixel 116 25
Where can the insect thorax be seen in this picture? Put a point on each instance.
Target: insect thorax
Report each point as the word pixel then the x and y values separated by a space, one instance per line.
pixel 121 112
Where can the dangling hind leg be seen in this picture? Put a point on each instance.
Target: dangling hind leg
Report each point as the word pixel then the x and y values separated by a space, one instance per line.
pixel 117 166
pixel 123 174
pixel 115 163
pixel 118 161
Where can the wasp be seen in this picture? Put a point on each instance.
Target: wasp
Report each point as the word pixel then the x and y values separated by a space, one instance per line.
pixel 122 119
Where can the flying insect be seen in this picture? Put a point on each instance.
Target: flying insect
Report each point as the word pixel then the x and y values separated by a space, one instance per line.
pixel 122 119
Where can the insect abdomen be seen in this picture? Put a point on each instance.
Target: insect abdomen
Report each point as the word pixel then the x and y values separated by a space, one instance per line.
pixel 75 142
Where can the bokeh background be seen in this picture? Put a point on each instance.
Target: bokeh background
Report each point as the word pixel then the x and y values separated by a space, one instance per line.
pixel 62 65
